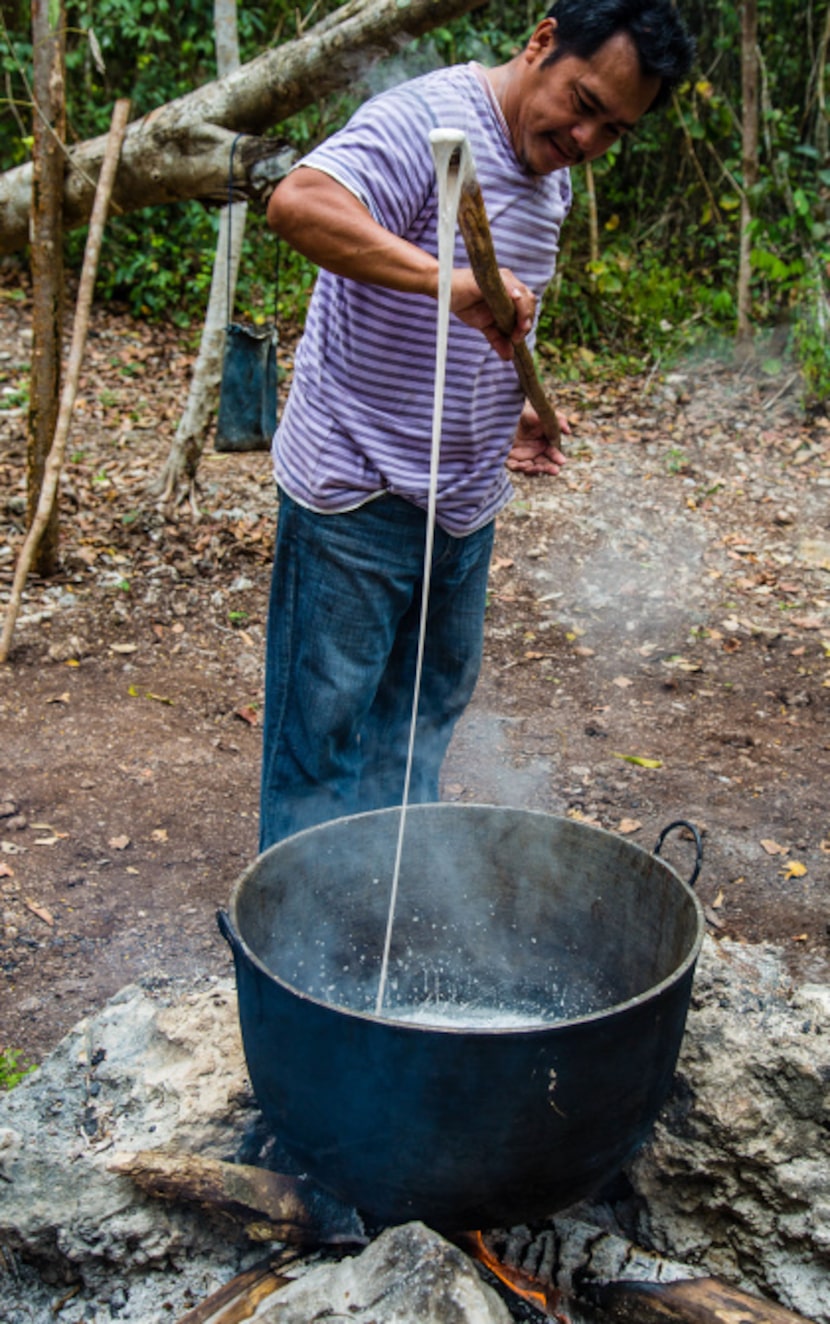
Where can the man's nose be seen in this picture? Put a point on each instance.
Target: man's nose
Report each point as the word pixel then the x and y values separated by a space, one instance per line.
pixel 586 137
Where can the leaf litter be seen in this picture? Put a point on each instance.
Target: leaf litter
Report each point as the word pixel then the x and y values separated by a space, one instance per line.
pixel 698 594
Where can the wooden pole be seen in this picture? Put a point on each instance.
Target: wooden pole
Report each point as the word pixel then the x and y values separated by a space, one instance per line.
pixel 54 460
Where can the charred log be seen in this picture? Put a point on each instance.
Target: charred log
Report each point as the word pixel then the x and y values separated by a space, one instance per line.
pixel 696 1301
pixel 271 1206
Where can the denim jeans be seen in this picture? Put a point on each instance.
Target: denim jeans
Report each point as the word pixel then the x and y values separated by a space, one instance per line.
pixel 342 647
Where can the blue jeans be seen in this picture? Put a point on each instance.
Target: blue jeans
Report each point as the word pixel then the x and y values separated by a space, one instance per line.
pixel 342 648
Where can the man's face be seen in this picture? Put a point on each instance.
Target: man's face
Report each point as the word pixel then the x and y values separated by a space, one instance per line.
pixel 573 110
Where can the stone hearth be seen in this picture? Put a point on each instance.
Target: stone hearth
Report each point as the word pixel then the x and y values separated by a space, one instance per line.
pixel 734 1183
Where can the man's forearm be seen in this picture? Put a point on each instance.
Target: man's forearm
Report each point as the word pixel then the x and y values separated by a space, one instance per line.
pixel 330 226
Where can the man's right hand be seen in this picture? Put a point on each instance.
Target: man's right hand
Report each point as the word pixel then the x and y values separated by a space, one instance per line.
pixel 322 219
pixel 469 305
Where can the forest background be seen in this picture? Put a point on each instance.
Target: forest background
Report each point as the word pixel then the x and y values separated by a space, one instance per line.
pixel 712 219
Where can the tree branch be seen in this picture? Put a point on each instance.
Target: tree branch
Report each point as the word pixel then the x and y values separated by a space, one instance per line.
pixel 181 149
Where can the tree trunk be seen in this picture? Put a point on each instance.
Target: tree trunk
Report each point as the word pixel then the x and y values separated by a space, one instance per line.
pixel 49 120
pixel 749 142
pixel 54 460
pixel 191 434
pixel 181 150
pixel 823 122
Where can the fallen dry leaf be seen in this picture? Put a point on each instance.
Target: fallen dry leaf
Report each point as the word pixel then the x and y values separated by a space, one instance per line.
pixel 60 698
pixel 795 869
pixel 622 682
pixel 718 901
pixel 6 871
pixel 41 912
pixel 119 843
pixel 247 713
pixel 773 848
pixel 628 825
pixel 159 834
pixel 578 817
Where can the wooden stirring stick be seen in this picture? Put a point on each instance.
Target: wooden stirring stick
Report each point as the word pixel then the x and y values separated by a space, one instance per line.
pixel 475 229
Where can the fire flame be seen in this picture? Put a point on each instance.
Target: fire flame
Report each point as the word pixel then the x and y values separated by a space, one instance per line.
pixel 544 1296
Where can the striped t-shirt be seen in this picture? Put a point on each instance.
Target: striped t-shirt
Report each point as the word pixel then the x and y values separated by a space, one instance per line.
pixel 358 421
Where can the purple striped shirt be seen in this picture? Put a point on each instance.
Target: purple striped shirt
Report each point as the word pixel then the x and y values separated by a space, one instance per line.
pixel 358 421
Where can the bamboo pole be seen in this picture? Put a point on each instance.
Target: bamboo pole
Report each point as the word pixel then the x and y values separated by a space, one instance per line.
pixel 54 460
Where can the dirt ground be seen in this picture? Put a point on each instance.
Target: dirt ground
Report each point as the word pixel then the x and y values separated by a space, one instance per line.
pixel 658 647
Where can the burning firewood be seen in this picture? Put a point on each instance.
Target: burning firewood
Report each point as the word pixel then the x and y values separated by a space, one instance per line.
pixel 695 1301
pixel 239 1299
pixel 271 1206
pixel 615 1280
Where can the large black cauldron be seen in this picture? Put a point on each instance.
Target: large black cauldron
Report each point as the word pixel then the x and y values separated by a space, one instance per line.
pixel 462 1127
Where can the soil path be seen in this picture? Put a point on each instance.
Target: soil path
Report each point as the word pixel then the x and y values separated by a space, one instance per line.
pixel 658 647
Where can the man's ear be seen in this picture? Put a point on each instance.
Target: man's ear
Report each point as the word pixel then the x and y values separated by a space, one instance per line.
pixel 542 40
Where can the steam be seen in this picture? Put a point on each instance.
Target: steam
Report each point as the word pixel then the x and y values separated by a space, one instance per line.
pixel 420 58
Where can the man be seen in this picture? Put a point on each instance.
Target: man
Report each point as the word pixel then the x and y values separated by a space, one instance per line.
pixel 352 453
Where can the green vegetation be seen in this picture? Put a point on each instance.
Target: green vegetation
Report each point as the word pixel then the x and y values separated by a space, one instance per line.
pixel 11 1070
pixel 667 200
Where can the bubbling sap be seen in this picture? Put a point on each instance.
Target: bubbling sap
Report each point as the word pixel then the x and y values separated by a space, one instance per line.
pixel 458 1016
pixel 559 1005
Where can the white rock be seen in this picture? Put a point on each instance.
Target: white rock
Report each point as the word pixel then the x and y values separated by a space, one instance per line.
pixel 408 1274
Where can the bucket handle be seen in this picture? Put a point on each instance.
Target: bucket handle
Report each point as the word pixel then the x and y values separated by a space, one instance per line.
pixel 690 827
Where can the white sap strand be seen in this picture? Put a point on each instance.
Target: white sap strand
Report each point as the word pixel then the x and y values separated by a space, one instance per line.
pixel 448 152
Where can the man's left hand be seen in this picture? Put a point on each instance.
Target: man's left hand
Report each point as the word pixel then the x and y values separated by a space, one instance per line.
pixel 531 452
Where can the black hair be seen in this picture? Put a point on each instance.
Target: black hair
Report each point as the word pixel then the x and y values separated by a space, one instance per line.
pixel 664 47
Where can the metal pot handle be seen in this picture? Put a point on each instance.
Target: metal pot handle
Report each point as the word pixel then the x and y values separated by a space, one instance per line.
pixel 683 823
pixel 228 932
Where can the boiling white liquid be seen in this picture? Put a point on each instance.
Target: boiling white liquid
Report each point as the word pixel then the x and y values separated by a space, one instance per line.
pixel 445 144
pixel 458 1016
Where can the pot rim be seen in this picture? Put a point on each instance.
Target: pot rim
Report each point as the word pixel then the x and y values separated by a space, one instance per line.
pixel 688 963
